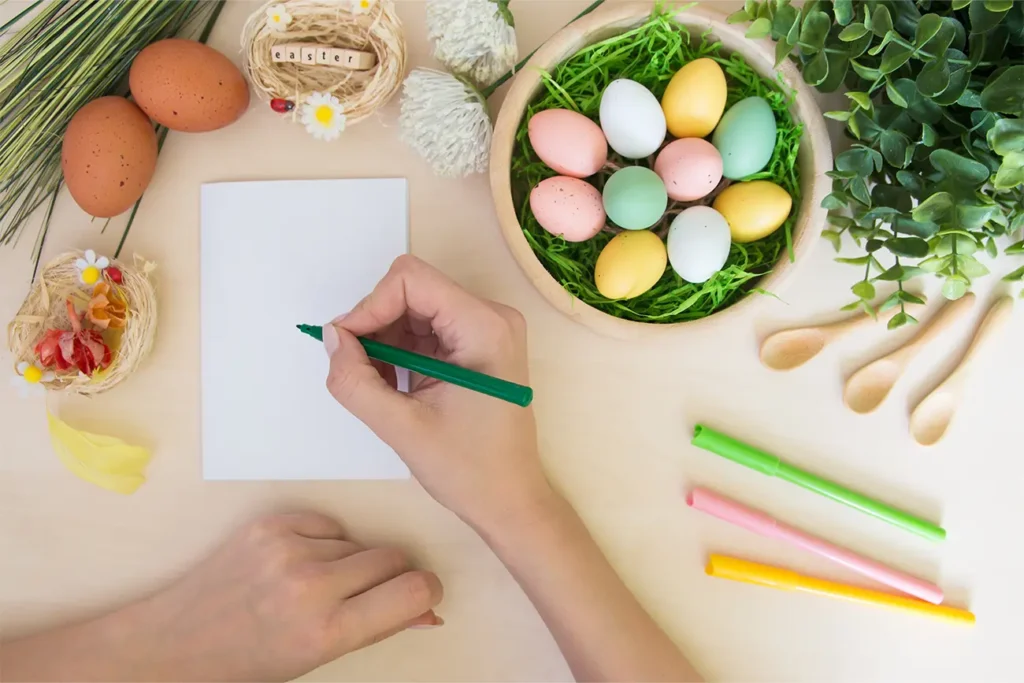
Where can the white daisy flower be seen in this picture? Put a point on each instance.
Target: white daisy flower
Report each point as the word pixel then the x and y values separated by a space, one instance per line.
pixel 90 268
pixel 362 6
pixel 278 18
pixel 473 38
pixel 323 116
pixel 30 378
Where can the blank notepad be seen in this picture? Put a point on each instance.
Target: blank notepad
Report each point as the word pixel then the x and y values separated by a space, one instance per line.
pixel 275 254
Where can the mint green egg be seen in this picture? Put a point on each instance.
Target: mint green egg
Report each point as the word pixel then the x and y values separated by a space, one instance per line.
pixel 745 137
pixel 635 198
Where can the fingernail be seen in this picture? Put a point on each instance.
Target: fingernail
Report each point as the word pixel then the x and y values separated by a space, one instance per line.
pixel 331 340
pixel 340 318
pixel 428 620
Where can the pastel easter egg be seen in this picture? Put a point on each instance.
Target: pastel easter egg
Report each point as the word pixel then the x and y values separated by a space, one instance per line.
pixel 568 207
pixel 632 119
pixel 698 243
pixel 690 168
pixel 630 264
pixel 568 142
pixel 635 198
pixel 745 137
pixel 753 210
pixel 695 99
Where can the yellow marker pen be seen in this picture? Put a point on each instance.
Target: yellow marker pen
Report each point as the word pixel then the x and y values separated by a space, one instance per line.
pixel 773 577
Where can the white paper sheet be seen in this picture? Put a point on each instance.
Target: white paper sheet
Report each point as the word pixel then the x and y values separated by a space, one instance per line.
pixel 275 254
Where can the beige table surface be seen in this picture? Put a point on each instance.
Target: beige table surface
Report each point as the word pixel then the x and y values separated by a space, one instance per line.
pixel 614 424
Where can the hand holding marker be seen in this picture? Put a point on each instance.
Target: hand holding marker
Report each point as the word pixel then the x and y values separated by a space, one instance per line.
pixel 437 369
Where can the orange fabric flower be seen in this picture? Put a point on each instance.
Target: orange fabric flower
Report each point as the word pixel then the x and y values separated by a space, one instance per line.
pixel 104 310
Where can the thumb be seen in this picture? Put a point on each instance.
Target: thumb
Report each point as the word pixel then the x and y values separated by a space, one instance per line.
pixel 361 390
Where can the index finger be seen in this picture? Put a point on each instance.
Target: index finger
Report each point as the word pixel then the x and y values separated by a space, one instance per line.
pixel 363 619
pixel 414 287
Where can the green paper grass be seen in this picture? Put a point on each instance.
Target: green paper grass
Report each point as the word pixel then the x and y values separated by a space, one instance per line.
pixel 651 54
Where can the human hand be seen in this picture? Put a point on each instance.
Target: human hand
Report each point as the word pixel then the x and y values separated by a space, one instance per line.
pixel 283 596
pixel 475 454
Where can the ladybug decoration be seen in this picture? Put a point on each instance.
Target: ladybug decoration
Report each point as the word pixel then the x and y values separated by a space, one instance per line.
pixel 281 106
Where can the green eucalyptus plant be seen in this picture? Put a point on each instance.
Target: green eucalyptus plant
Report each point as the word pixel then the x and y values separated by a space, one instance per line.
pixel 936 92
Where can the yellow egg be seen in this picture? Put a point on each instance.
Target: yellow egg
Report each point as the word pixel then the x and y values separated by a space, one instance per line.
pixel 630 264
pixel 695 99
pixel 753 210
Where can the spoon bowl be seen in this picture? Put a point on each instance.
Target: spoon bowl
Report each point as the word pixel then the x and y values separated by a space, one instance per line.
pixel 868 387
pixel 788 349
pixel 931 418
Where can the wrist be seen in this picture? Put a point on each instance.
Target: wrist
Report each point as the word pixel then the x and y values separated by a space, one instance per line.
pixel 524 519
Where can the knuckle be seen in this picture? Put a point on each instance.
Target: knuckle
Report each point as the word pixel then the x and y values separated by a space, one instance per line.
pixel 265 528
pixel 405 263
pixel 422 589
pixel 392 558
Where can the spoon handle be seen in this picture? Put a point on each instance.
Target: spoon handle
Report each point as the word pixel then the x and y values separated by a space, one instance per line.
pixel 994 321
pixel 939 323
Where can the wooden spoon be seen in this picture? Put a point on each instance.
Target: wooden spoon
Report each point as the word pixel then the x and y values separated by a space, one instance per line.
pixel 931 417
pixel 868 387
pixel 788 349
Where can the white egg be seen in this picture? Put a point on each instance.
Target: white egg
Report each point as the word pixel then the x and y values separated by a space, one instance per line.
pixel 698 243
pixel 632 119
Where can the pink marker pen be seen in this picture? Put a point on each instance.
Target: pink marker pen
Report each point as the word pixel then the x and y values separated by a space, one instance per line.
pixel 760 523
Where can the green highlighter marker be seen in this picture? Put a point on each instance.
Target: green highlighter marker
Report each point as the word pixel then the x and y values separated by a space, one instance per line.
pixel 766 463
pixel 438 369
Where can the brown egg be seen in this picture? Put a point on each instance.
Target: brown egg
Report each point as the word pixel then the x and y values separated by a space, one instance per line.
pixel 188 86
pixel 108 156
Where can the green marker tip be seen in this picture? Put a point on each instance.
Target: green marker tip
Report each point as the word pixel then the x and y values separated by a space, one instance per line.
pixel 313 331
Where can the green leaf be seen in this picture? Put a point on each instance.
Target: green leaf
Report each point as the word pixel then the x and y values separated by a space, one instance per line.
pixel 893 198
pixel 960 4
pixel 895 56
pixel 859 261
pixel 881 20
pixel 861 98
pixel 873 245
pixel 911 247
pixel 905 296
pixel 814 31
pixel 998 5
pixel 854 126
pixel 1011 172
pixel 843 9
pixel 764 10
pixel 1016 248
pixel 838 65
pixel 933 264
pixel 959 169
pixel 991 249
pixel 928 135
pixel 857 160
pixel 943 38
pixel 973 216
pixel 834 237
pixel 954 288
pixel 898 320
pixel 982 18
pixel 907 226
pixel 816 70
pixel 853 306
pixel 894 95
pixel 937 208
pixel 833 201
pixel 910 181
pixel 891 275
pixel 782 50
pixel 866 72
pixel 1004 93
pixel 970 99
pixel 1007 135
pixel 859 190
pixel 852 32
pixel 971 267
pixel 891 301
pixel 927 27
pixel 1015 276
pixel 864 290
pixel 838 115
pixel 760 28
pixel 737 17
pixel 933 77
pixel 785 17
pixel 894 147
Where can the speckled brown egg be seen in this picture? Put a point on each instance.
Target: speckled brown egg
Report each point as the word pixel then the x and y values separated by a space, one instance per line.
pixel 108 156
pixel 188 86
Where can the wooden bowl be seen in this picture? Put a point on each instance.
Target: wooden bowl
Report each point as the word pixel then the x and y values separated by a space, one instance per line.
pixel 815 158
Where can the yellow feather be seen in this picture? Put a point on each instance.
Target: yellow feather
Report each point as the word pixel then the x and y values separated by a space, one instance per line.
pixel 102 460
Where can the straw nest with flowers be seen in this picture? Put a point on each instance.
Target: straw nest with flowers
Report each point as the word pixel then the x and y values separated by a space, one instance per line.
pixel 86 325
pixel 364 25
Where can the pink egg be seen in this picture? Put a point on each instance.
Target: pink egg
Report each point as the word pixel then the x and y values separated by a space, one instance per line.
pixel 568 142
pixel 568 207
pixel 690 168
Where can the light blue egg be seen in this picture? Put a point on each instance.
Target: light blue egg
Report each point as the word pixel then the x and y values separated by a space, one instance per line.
pixel 745 137
pixel 635 198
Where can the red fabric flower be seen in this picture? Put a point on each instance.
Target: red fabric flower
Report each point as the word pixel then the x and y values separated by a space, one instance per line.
pixel 78 348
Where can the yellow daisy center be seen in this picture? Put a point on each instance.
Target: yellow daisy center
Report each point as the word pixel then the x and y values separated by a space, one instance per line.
pixel 365 4
pixel 324 115
pixel 276 17
pixel 91 275
pixel 33 375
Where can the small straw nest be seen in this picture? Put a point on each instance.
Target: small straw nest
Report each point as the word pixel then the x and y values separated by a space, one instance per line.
pixel 335 24
pixel 45 308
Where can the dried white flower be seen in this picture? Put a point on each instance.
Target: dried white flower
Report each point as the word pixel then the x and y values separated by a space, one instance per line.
pixel 446 120
pixel 473 38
